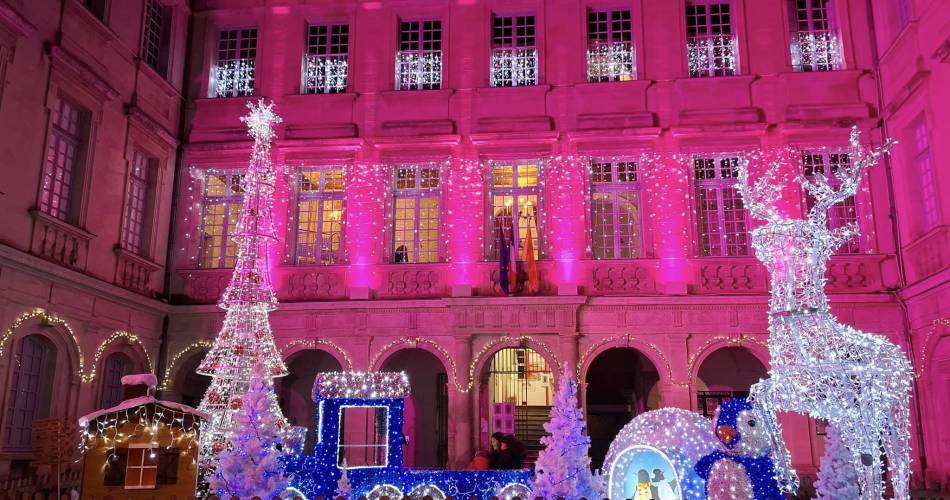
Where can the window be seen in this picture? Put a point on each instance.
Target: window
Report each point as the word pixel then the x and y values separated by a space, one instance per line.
pixel 419 60
pixel 116 366
pixel 235 62
pixel 62 171
pixel 325 65
pixel 514 190
pixel 97 7
pixel 610 56
pixel 924 174
pixel 723 227
pixel 156 36
pixel 30 390
pixel 815 46
pixel 842 213
pixel 138 204
pixel 710 45
pixel 319 216
pixel 370 446
pixel 416 214
pixel 514 53
pixel 141 471
pixel 615 209
pixel 223 200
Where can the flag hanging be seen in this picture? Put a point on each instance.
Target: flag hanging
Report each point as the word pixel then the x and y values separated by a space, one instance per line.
pixel 531 264
pixel 504 260
pixel 513 257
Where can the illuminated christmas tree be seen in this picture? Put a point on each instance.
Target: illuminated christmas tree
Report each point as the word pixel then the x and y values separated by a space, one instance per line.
pixel 245 339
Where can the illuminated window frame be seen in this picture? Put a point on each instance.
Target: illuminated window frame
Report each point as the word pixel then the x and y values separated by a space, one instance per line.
pixel 341 430
pixel 138 204
pixel 514 53
pixel 220 215
pixel 65 153
pixel 924 174
pixel 325 62
pixel 613 180
pixel 419 58
pixel 711 46
pixel 512 196
pixel 722 219
pixel 233 72
pixel 416 193
pixel 610 52
pixel 323 246
pixel 815 44
pixel 148 461
pixel 842 213
pixel 156 35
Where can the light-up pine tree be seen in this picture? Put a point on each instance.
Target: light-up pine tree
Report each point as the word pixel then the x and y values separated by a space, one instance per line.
pixel 563 466
pixel 251 466
pixel 245 340
pixel 837 478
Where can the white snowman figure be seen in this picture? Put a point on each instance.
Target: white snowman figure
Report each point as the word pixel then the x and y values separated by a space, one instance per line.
pixel 741 468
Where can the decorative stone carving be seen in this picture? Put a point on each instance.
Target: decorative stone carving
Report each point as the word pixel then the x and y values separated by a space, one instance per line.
pixel 618 277
pixel 206 286
pixel 731 276
pixel 412 282
pixel 315 284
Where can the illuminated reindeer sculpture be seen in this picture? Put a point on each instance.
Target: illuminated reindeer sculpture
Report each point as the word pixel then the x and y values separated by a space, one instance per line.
pixel 860 383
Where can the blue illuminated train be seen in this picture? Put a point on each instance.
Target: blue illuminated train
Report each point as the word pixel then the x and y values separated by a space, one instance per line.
pixel 359 430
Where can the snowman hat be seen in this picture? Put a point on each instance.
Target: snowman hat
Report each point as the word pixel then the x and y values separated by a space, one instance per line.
pixel 727 417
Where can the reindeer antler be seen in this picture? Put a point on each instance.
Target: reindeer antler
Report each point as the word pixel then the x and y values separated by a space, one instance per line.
pixel 849 174
pixel 760 197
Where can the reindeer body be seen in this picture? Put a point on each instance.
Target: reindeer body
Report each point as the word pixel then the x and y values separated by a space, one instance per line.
pixel 858 382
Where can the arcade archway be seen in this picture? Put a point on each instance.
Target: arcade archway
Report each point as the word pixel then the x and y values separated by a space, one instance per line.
pixel 726 373
pixel 426 418
pixel 294 390
pixel 621 383
pixel 192 385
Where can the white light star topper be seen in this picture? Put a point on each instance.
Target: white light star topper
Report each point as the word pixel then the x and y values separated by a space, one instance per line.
pixel 260 120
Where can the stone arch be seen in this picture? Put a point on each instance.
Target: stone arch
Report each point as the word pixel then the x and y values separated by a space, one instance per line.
pixel 174 364
pixel 757 347
pixel 731 372
pixel 51 326
pixel 295 390
pixel 341 356
pixel 487 352
pixel 425 420
pixel 620 382
pixel 428 345
pixel 648 349
pixel 121 341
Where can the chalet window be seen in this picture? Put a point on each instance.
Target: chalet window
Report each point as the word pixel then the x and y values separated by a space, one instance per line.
pixel 610 55
pixel 515 194
pixel 235 63
pixel 842 213
pixel 711 46
pixel 223 199
pixel 325 64
pixel 815 45
pixel 416 214
pixel 923 172
pixel 320 216
pixel 30 390
pixel 615 209
pixel 120 468
pixel 62 172
pixel 139 203
pixel 514 55
pixel 141 470
pixel 419 59
pixel 156 36
pixel 721 216
pixel 116 366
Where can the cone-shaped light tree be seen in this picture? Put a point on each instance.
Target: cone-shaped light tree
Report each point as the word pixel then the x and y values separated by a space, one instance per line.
pixel 563 466
pixel 245 340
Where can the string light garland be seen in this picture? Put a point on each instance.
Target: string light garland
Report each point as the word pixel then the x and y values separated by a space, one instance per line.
pixel 291 346
pixel 173 362
pixel 680 437
pixel 245 343
pixel 415 342
pixel 522 341
pixel 49 320
pixel 924 350
pixel 738 341
pixel 129 338
pixel 857 381
pixel 628 341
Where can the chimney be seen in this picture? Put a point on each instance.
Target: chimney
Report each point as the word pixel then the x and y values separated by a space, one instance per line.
pixel 139 385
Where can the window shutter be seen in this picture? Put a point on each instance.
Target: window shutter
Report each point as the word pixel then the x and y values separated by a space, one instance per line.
pixel 168 466
pixel 115 470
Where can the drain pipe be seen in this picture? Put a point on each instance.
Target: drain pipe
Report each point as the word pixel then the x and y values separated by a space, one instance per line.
pixel 895 230
pixel 179 167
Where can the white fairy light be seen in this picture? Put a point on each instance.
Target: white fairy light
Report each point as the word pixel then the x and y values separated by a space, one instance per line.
pixel 712 55
pixel 816 51
pixel 325 74
pixel 610 62
pixel 857 381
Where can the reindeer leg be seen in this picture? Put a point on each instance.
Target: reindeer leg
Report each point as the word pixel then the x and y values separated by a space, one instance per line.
pixel 762 401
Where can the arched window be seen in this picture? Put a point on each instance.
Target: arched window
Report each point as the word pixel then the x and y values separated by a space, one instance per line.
pixel 117 365
pixel 30 390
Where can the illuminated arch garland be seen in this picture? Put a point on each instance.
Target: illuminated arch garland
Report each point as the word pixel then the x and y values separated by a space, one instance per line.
pixel 317 344
pixel 925 345
pixel 116 335
pixel 173 362
pixel 52 320
pixel 632 342
pixel 510 341
pixel 725 341
pixel 419 343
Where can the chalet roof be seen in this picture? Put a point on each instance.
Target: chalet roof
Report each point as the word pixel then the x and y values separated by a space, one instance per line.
pixel 141 401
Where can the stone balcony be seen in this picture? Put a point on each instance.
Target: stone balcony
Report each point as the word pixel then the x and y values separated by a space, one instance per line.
pixel 59 241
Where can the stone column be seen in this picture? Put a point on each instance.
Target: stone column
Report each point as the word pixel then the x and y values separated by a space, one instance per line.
pixel 464 219
pixel 365 216
pixel 461 428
